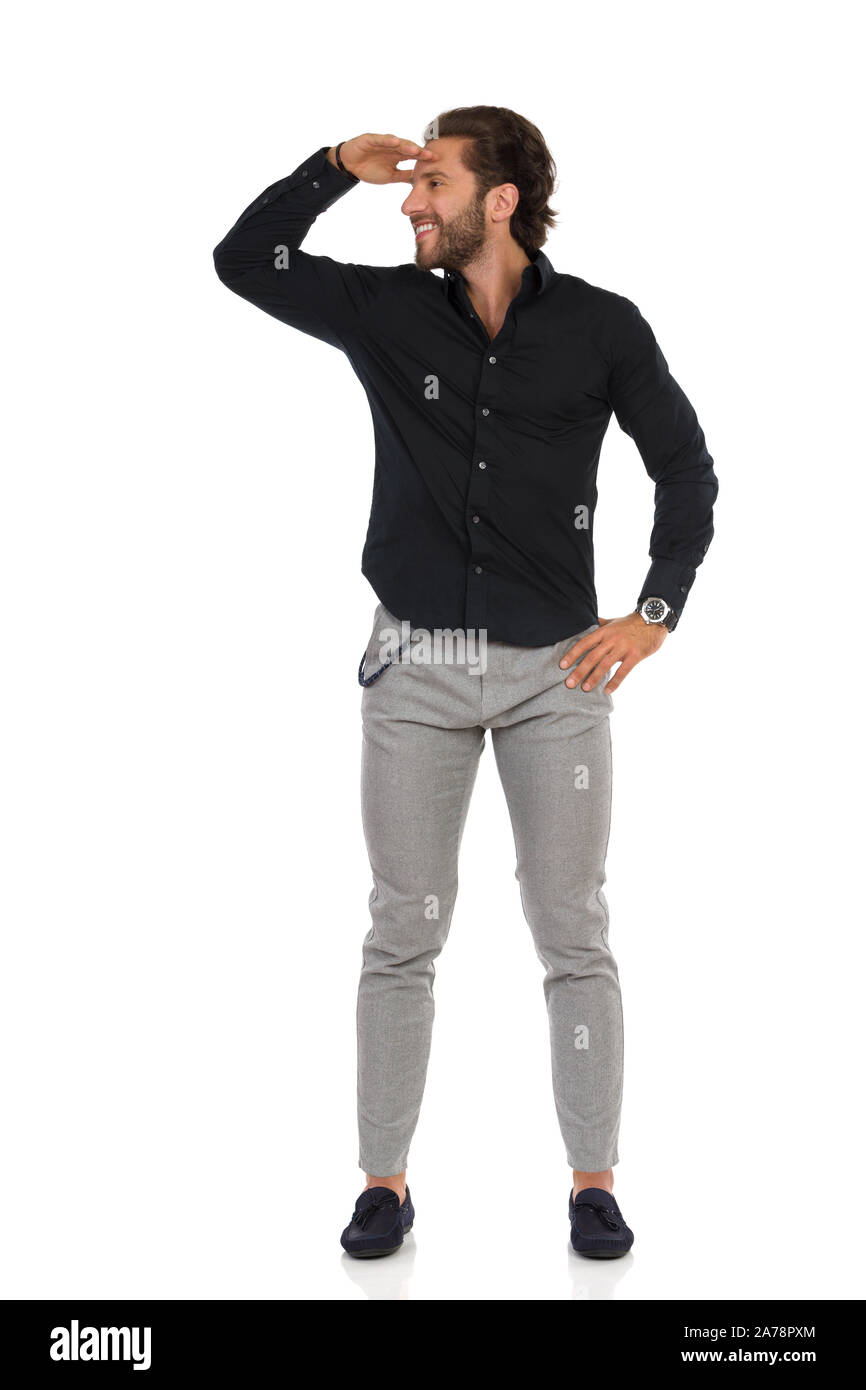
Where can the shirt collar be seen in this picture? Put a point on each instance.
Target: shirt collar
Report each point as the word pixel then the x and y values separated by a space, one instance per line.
pixel 539 269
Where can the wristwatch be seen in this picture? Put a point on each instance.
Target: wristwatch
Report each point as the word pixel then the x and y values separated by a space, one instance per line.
pixel 656 610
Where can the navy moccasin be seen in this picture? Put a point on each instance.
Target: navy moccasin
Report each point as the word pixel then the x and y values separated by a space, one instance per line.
pixel 598 1227
pixel 378 1223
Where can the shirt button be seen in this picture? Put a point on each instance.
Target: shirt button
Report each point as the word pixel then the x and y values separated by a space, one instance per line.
pixel 476 518
pixel 492 360
pixel 306 171
pixel 478 569
pixel 485 411
pixel 315 183
pixel 482 464
pixel 265 199
pixel 683 589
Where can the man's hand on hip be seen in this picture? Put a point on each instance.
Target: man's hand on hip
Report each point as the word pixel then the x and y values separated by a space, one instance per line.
pixel 624 640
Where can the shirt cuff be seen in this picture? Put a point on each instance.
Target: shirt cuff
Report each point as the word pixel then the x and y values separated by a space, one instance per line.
pixel 336 175
pixel 668 580
pixel 318 181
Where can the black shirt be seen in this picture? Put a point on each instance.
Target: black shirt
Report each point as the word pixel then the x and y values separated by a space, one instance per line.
pixel 487 452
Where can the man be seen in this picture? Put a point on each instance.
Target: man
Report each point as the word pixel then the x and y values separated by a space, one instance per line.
pixel 491 389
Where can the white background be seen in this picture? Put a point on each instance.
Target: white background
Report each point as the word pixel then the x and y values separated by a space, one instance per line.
pixel 186 486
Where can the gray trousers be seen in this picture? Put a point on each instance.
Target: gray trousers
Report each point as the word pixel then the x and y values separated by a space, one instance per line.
pixel 424 728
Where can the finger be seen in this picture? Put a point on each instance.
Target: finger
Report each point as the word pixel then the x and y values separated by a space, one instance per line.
pixel 590 663
pixel 598 673
pixel 401 176
pixel 624 668
pixel 580 649
pixel 603 621
pixel 409 150
pixel 390 142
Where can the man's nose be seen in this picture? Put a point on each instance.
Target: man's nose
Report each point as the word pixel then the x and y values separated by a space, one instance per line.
pixel 412 204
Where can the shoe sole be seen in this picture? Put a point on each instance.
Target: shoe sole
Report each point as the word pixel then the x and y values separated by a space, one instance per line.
pixel 601 1254
pixel 377 1254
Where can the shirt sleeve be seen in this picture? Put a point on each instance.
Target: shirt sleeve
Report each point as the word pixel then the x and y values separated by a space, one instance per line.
pixel 652 408
pixel 260 258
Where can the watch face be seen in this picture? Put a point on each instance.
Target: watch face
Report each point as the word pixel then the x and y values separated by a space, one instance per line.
pixel 654 609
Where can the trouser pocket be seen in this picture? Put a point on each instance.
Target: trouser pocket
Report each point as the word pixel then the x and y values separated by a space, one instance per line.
pixel 379 653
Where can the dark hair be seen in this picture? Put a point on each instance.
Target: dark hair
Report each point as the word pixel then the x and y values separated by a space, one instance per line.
pixel 506 148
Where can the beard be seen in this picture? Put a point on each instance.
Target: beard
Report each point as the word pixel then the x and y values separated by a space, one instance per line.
pixel 457 243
